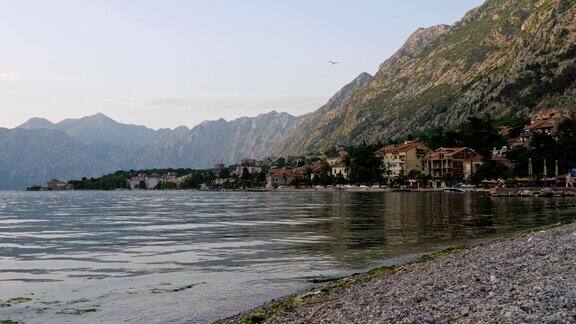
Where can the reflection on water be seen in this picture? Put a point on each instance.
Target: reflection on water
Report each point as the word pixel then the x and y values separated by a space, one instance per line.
pixel 191 256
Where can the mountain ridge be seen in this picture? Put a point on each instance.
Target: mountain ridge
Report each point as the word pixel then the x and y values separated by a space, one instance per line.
pixel 502 57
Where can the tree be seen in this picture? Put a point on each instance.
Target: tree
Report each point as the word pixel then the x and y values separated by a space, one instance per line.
pixel 279 163
pixel 364 166
pixel 246 174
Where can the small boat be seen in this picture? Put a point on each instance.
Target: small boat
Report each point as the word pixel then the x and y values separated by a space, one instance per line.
pixel 455 190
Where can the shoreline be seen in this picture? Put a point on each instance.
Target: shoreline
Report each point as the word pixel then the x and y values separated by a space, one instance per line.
pixel 525 277
pixel 494 192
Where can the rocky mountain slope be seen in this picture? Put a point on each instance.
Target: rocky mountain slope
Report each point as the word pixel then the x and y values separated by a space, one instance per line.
pixel 505 56
pixel 297 140
pixel 34 156
pixel 39 149
pixel 216 141
pixel 98 129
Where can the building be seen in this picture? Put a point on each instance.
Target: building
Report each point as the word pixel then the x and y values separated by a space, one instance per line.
pixel 218 169
pixel 250 165
pixel 57 185
pixel 303 172
pixel 286 176
pixel 280 177
pixel 320 168
pixel 340 168
pixel 153 181
pixel 457 163
pixel 240 169
pixel 545 122
pixel 338 164
pixel 401 159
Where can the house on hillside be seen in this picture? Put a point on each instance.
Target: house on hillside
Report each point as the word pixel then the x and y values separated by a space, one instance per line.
pixel 247 165
pixel 545 122
pixel 457 163
pixel 401 159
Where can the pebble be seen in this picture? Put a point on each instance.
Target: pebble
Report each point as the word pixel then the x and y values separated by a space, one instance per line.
pixel 517 290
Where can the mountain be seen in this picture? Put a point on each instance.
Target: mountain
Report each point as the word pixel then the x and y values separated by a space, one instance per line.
pixel 39 150
pixel 37 123
pixel 29 156
pixel 296 140
pixel 216 141
pixel 98 129
pixel 505 56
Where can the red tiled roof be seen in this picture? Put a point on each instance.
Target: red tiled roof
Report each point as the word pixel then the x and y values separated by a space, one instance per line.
pixel 451 151
pixel 545 124
pixel 320 166
pixel 289 172
pixel 300 172
pixel 396 148
pixel 500 159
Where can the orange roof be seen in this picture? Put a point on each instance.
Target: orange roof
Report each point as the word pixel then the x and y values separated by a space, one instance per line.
pixel 397 148
pixel 319 166
pixel 544 124
pixel 505 131
pixel 289 172
pixel 451 150
pixel 301 172
pixel 500 159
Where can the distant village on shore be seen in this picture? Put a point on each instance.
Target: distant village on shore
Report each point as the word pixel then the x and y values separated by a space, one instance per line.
pixel 539 150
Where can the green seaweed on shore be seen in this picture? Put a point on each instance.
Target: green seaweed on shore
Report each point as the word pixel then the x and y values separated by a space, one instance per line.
pixel 9 321
pixel 14 301
pixel 78 311
pixel 378 271
pixel 184 288
pixel 291 303
pixel 78 301
pixel 443 253
pixel 41 310
pixel 284 305
pixel 324 280
pixel 179 289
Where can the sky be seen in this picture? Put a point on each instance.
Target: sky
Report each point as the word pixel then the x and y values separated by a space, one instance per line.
pixel 179 62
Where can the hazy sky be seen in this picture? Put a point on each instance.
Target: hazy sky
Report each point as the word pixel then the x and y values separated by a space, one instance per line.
pixel 165 63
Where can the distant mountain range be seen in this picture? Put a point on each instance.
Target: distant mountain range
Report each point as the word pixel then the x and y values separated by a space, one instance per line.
pixel 506 56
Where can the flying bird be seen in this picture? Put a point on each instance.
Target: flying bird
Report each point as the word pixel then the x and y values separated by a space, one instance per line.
pixel 334 63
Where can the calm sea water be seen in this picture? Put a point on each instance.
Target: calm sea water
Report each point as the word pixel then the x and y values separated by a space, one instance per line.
pixel 160 257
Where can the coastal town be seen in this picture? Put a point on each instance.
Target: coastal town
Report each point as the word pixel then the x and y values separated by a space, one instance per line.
pixel 517 157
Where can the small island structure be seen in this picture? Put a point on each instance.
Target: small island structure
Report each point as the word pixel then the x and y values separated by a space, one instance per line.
pixel 53 185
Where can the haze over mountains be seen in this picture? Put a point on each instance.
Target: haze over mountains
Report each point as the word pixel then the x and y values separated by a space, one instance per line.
pixel 503 57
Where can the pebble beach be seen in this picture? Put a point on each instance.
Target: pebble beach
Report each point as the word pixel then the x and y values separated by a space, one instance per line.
pixel 529 278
